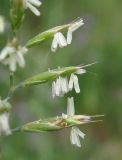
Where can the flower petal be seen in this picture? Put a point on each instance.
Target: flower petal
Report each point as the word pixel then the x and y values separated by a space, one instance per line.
pixel 70 106
pixel 20 59
pixel 58 87
pixel 4 124
pixel 36 3
pixel 69 37
pixel 74 138
pixel 76 84
pixel 74 81
pixel 6 51
pixel 12 65
pixel 71 80
pixel 60 39
pixel 77 130
pixel 33 9
pixel 54 45
pixel 53 89
pixel 64 85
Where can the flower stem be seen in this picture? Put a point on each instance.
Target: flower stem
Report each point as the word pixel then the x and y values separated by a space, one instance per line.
pixel 11 77
pixel 16 129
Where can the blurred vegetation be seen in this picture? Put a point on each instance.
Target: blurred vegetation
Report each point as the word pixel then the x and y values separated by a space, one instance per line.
pixel 100 39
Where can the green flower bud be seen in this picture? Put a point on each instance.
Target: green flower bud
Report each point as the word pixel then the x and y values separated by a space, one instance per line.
pixel 16 14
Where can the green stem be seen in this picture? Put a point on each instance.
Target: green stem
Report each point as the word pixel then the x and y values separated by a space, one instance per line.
pixel 16 129
pixel 11 79
pixel 11 76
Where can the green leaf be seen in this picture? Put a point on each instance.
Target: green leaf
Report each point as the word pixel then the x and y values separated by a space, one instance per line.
pixel 49 75
pixel 45 35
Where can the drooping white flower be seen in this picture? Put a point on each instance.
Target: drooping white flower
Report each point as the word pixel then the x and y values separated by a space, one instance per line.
pixel 75 132
pixel 60 87
pixel 2 24
pixel 4 118
pixel 4 124
pixel 74 26
pixel 58 40
pixel 70 106
pixel 12 56
pixel 32 4
pixel 73 81
pixel 74 136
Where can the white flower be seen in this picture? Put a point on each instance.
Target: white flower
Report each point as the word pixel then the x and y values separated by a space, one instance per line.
pixel 60 87
pixel 70 106
pixel 74 26
pixel 2 24
pixel 58 40
pixel 32 4
pixel 73 82
pixel 75 132
pixel 4 119
pixel 74 137
pixel 4 124
pixel 83 119
pixel 11 56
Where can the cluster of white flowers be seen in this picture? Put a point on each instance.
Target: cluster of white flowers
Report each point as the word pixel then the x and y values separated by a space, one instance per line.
pixel 4 121
pixel 59 39
pixel 61 85
pixel 11 56
pixel 32 4
pixel 75 132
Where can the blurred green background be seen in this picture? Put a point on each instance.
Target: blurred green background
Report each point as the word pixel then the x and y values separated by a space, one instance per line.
pixel 100 39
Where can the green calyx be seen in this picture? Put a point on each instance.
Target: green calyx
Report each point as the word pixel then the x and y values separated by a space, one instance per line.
pixel 49 75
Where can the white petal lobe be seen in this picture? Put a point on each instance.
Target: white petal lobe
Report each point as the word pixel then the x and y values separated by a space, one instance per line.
pixel 54 45
pixel 71 81
pixel 69 37
pixel 76 84
pixel 70 107
pixel 33 9
pixel 60 39
pixel 74 138
pixel 81 134
pixel 36 3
